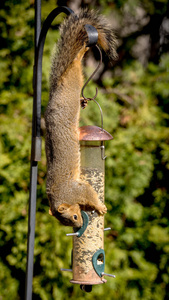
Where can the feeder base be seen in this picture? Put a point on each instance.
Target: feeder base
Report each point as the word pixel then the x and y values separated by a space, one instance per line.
pixel 88 282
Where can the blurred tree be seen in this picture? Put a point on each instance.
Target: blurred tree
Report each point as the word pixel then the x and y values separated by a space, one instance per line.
pixel 134 97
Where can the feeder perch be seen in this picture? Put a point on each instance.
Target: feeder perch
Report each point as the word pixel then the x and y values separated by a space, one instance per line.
pixel 88 248
pixel 80 231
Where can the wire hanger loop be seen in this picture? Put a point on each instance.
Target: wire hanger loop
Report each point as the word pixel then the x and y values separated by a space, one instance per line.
pixel 91 76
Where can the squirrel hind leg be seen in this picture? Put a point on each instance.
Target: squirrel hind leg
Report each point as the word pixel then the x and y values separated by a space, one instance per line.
pixel 81 53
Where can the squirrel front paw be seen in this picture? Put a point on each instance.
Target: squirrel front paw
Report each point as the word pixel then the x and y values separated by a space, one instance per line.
pixel 102 209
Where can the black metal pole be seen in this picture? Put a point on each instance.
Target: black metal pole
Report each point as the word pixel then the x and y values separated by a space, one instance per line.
pixel 40 36
pixel 33 171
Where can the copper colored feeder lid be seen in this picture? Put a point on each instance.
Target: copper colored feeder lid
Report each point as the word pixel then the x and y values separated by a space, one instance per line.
pixel 93 133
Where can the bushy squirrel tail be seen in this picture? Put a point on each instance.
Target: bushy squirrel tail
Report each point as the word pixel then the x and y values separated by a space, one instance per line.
pixel 74 36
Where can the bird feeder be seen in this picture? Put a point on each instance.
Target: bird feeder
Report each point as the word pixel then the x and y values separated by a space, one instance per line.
pixel 88 257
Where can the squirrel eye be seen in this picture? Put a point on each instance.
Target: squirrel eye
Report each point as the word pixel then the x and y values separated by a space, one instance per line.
pixel 75 217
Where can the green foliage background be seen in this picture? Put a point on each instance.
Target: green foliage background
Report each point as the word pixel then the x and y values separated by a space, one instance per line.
pixel 134 96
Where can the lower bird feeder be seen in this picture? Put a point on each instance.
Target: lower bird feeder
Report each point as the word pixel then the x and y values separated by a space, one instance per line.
pixel 88 257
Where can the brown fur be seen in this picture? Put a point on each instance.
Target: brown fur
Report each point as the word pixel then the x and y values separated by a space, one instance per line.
pixel 66 191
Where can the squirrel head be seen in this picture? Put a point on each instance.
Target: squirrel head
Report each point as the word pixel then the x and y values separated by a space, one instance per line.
pixel 70 215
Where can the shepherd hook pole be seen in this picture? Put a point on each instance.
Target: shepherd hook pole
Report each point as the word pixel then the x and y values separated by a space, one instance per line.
pixel 40 36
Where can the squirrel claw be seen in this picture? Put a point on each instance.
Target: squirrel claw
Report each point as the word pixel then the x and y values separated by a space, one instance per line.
pixel 102 209
pixel 83 103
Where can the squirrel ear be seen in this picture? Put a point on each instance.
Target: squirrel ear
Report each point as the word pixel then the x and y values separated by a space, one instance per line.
pixel 50 212
pixel 63 207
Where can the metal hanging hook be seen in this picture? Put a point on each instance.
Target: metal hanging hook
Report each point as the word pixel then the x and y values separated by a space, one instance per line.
pixel 89 99
pixel 84 100
pixel 91 76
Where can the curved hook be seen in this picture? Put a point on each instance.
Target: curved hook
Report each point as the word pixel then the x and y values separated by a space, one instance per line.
pixel 91 76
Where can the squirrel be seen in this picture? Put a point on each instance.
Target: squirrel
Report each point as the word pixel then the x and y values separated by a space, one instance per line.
pixel 67 193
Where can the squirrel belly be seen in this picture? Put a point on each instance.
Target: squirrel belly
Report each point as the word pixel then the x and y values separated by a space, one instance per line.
pixel 67 193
